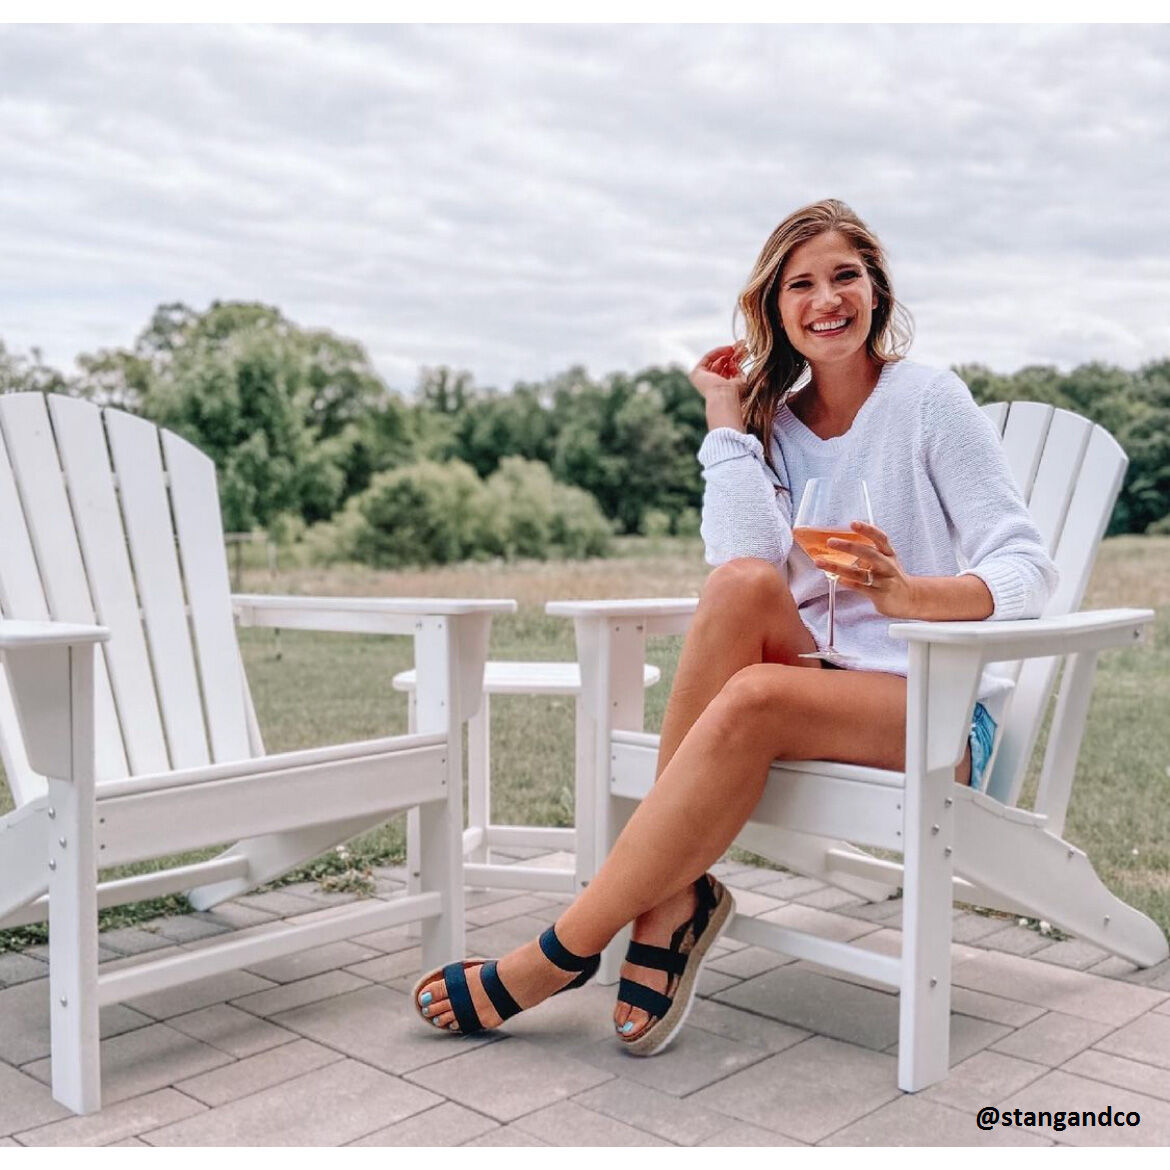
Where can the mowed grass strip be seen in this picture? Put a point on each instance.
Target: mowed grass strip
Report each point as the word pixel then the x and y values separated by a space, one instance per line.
pixel 313 689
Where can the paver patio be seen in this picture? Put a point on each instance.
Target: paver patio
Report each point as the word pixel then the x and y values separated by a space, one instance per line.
pixel 323 1049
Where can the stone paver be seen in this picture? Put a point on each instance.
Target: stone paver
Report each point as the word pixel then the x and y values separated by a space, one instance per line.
pixel 696 1058
pixel 24 1021
pixel 1074 952
pixel 507 1079
pixel 323 1048
pixel 1046 985
pixel 285 997
pixel 818 1003
pixel 261 1071
pixel 117 1121
pixel 444 1125
pixel 982 1078
pixel 230 1030
pixel 1015 940
pixel 190 997
pixel 787 1092
pixel 1059 1090
pixel 305 964
pixel 147 1059
pixel 914 1121
pixel 1120 1071
pixel 25 1102
pixel 1147 1040
pixel 570 1124
pixel 1052 1039
pixel 327 1107
pixel 679 1121
pixel 17 967
pixel 375 1024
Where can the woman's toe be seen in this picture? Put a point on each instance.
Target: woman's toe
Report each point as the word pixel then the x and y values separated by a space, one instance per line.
pixel 634 1023
pixel 443 1019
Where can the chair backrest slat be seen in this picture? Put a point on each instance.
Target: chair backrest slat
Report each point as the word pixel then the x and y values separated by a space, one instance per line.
pixel 21 595
pixel 32 453
pixel 81 441
pixel 134 446
pixel 1024 434
pixel 203 555
pixel 1077 481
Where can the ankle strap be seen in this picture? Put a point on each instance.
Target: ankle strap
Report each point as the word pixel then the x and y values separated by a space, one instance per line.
pixel 556 953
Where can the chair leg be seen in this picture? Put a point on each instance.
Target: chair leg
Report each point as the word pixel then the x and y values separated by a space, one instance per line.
pixel 479 798
pixel 73 932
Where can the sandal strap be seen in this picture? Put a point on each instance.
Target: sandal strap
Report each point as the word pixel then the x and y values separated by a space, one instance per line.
pixel 640 996
pixel 459 994
pixel 657 958
pixel 556 953
pixel 502 1001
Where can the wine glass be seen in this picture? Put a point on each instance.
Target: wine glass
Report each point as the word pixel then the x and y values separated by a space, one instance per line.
pixel 827 507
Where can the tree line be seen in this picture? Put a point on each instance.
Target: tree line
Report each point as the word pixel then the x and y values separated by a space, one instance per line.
pixel 311 444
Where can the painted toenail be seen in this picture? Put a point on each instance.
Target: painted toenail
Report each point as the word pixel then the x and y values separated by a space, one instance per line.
pixel 628 1026
pixel 425 998
pixel 426 1011
pixel 453 1027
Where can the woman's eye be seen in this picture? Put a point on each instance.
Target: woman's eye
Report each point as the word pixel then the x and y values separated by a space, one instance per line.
pixel 848 274
pixel 799 284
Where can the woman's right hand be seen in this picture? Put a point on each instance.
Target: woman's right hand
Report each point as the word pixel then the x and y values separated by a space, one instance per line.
pixel 720 381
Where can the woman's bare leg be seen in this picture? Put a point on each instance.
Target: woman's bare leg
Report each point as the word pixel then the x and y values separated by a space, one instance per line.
pixel 703 797
pixel 746 615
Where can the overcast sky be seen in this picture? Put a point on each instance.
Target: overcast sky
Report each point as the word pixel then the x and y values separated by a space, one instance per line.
pixel 516 200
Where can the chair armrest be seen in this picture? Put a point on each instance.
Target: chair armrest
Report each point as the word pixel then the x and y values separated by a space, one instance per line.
pixel 357 615
pixel 21 635
pixel 1036 637
pixel 659 615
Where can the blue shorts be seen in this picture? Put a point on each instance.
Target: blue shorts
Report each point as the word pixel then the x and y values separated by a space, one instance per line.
pixel 982 738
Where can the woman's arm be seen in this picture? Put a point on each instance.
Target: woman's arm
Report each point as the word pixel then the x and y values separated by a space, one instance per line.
pixel 743 514
pixel 1009 573
pixel 990 521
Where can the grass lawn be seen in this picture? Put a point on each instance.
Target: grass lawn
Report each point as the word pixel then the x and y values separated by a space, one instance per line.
pixel 312 689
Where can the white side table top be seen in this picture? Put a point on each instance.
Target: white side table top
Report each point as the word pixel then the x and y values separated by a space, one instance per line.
pixel 529 678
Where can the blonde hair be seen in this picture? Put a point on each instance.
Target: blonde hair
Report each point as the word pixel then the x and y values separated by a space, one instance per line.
pixel 771 363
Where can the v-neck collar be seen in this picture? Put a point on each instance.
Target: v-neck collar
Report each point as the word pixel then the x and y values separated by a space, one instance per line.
pixel 806 434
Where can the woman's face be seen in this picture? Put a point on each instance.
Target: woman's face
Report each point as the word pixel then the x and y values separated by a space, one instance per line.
pixel 826 299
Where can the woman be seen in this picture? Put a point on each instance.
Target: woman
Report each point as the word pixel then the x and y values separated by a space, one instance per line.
pixel 819 303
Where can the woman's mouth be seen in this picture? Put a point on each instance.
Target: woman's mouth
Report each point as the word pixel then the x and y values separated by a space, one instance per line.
pixel 831 327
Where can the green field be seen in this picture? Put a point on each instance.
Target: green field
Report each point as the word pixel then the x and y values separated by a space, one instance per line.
pixel 312 689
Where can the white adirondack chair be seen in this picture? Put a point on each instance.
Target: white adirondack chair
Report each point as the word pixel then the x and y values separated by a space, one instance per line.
pixel 980 848
pixel 110 536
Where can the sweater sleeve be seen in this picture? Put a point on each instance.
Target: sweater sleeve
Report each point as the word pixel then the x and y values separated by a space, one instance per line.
pixel 745 514
pixel 987 515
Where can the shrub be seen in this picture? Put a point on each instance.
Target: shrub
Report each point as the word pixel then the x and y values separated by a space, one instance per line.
pixel 436 513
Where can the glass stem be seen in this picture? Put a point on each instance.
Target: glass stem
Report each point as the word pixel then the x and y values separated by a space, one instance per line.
pixel 832 611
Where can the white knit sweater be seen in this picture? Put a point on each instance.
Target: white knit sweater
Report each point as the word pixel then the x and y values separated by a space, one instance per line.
pixel 940 488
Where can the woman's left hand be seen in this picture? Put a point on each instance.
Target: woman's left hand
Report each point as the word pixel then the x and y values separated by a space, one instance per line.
pixel 876 572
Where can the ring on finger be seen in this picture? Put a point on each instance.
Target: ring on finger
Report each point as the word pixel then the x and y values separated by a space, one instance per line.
pixel 868 577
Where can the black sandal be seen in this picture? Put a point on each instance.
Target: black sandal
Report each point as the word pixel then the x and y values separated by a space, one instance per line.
pixel 454 975
pixel 713 907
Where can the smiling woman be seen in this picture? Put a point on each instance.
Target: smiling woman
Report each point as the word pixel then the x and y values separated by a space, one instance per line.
pixel 751 687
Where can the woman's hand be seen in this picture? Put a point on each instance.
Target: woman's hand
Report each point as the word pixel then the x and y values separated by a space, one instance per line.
pixel 876 572
pixel 719 380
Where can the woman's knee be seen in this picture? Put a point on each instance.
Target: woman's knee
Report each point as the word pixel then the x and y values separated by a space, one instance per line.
pixel 747 704
pixel 745 581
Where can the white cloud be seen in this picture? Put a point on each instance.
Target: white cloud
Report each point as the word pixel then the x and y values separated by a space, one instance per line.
pixel 517 199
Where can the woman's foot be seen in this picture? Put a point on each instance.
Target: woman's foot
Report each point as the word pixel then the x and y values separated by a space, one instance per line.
pixel 527 974
pixel 657 928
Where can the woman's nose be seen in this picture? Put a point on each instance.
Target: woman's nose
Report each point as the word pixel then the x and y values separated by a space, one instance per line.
pixel 827 297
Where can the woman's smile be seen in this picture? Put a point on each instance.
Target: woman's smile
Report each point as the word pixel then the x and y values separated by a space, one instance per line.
pixel 831 327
